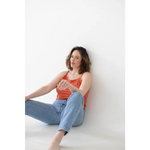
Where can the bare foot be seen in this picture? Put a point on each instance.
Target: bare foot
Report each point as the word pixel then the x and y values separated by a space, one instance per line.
pixel 54 145
pixel 56 140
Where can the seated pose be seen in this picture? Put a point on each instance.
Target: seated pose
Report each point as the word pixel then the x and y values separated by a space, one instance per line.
pixel 72 88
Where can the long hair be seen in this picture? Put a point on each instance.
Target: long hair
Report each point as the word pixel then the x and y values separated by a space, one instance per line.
pixel 85 63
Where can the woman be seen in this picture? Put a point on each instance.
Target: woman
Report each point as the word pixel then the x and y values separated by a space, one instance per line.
pixel 72 88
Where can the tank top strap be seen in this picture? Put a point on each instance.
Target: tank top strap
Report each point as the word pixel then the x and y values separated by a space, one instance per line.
pixel 64 77
pixel 81 75
pixel 66 73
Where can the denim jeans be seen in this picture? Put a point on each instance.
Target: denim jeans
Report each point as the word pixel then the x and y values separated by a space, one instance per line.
pixel 66 113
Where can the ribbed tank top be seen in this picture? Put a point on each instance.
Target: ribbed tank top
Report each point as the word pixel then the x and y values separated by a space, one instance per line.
pixel 64 94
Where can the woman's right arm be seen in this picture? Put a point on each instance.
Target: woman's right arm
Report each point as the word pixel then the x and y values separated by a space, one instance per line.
pixel 46 88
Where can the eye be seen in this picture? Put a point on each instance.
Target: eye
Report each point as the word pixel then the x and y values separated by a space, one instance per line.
pixel 77 57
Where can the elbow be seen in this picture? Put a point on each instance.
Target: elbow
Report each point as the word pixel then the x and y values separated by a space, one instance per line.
pixel 81 91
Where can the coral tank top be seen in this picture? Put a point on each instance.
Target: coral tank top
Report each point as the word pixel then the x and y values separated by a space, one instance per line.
pixel 64 94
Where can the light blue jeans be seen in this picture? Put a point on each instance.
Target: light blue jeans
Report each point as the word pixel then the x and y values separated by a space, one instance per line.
pixel 66 113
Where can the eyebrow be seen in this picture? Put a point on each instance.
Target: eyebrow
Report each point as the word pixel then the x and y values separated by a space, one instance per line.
pixel 75 55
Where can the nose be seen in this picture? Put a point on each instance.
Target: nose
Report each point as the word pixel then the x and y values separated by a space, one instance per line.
pixel 72 59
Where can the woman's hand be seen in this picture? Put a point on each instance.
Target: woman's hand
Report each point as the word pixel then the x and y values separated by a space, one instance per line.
pixel 63 84
pixel 25 98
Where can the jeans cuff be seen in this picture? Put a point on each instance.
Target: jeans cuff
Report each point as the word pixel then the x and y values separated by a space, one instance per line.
pixel 64 130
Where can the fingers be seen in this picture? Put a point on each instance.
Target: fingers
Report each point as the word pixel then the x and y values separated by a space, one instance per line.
pixel 63 85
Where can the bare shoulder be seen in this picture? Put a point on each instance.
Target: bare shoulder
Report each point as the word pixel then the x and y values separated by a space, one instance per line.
pixel 86 75
pixel 53 83
pixel 61 74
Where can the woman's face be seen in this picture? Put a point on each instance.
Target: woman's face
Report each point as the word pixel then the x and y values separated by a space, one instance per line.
pixel 75 59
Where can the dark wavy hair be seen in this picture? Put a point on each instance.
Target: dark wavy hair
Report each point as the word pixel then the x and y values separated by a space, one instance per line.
pixel 85 63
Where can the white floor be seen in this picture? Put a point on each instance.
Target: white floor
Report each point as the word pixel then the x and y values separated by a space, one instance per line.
pixel 85 137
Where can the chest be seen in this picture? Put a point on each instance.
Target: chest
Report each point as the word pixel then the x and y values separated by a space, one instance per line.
pixel 73 77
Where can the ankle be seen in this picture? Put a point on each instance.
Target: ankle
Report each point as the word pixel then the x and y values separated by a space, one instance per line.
pixel 54 145
pixel 56 141
pixel 58 137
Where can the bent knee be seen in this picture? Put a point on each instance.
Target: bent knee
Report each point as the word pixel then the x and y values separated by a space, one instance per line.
pixel 76 98
pixel 78 94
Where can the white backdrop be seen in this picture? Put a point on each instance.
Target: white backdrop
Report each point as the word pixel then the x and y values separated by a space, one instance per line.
pixel 53 27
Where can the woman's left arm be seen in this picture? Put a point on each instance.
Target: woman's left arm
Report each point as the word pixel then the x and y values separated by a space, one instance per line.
pixel 84 87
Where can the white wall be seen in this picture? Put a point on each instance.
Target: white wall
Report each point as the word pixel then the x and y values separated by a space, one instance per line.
pixel 53 27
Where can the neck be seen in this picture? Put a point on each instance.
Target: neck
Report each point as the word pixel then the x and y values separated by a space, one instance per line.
pixel 75 71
